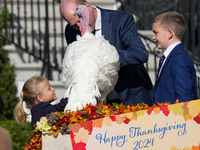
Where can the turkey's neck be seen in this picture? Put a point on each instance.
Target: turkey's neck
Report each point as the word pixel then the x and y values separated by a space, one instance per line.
pixel 84 21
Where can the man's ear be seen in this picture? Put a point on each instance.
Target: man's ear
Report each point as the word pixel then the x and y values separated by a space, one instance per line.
pixel 170 34
pixel 88 5
pixel 40 99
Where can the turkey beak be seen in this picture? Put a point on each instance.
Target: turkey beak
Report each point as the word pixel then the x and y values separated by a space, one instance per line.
pixel 76 12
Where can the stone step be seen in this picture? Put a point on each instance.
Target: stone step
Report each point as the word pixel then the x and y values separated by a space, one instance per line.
pixel 24 71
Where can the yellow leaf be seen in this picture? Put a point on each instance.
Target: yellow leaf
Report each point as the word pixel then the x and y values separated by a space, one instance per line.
pixel 141 112
pixel 193 108
pixel 174 148
pixel 187 148
pixel 107 121
pixel 177 109
pixel 129 115
pixel 119 119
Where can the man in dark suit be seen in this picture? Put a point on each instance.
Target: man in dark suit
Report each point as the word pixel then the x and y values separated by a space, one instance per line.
pixel 176 78
pixel 118 28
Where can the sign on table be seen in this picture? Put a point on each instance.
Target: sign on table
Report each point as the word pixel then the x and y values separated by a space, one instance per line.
pixel 168 127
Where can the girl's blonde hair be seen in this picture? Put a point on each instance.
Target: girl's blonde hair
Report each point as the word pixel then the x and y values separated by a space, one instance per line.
pixel 31 89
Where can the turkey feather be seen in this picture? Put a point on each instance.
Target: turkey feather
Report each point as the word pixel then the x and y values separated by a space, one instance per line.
pixel 89 71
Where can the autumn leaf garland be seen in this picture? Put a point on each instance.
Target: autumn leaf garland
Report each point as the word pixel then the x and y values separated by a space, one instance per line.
pixel 57 122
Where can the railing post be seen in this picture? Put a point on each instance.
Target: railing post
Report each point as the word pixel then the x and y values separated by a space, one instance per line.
pixel 46 62
pixel 5 16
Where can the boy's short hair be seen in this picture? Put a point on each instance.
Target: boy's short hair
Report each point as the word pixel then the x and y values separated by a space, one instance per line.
pixel 172 20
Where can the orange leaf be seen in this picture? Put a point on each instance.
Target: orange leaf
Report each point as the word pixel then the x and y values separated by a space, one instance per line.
pixel 119 119
pixel 156 110
pixel 188 116
pixel 195 147
pixel 134 118
pixel 74 127
pixel 97 123
pixel 55 134
pixel 50 132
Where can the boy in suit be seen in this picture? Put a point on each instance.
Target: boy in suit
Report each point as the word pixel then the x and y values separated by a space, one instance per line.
pixel 134 84
pixel 176 77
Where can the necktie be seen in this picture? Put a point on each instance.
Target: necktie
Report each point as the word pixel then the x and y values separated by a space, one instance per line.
pixel 94 32
pixel 160 64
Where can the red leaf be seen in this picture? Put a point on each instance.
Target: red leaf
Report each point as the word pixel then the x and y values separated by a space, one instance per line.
pixel 93 108
pixel 72 137
pixel 126 121
pixel 113 118
pixel 165 110
pixel 197 119
pixel 149 111
pixel 87 125
pixel 79 146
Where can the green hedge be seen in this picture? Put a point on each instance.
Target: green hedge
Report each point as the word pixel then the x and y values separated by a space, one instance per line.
pixel 8 89
pixel 7 74
pixel 20 133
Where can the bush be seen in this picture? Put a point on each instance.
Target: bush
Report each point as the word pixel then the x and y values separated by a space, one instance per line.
pixel 20 133
pixel 8 89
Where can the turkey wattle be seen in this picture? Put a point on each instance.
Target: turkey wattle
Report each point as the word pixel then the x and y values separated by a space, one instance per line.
pixel 90 67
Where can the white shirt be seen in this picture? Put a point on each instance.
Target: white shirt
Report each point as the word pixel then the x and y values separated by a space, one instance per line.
pixel 167 52
pixel 112 95
pixel 98 23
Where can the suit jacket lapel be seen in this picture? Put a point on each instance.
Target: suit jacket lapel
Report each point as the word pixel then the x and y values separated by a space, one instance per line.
pixel 106 25
pixel 169 56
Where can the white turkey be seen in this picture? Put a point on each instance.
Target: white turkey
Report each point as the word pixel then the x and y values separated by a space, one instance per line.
pixel 90 67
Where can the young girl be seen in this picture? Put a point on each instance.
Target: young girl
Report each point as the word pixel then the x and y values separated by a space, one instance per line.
pixel 37 95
